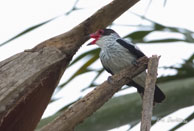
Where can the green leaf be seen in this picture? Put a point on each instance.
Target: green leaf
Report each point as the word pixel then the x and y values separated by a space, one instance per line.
pixel 189 37
pixel 186 70
pixel 158 26
pixel 53 100
pixel 188 119
pixel 91 52
pixel 164 40
pixel 27 30
pixel 138 35
pixel 73 8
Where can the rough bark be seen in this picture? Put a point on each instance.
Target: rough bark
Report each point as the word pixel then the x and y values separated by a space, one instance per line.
pixel 148 96
pixel 28 79
pixel 27 86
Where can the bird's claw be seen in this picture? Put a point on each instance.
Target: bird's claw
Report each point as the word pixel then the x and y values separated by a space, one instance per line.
pixel 110 80
pixel 154 103
pixel 141 94
pixel 134 62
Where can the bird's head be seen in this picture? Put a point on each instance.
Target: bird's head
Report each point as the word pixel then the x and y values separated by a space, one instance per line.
pixel 103 36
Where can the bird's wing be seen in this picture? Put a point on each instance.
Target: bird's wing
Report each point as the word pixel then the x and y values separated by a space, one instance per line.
pixel 132 49
pixel 106 68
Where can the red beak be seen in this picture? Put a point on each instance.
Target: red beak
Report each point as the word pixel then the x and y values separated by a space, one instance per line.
pixel 95 36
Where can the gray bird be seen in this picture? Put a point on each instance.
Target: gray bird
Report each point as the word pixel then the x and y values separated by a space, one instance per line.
pixel 116 54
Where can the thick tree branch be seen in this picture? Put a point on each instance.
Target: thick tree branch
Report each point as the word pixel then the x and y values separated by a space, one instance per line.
pixel 148 97
pixel 95 99
pixel 28 79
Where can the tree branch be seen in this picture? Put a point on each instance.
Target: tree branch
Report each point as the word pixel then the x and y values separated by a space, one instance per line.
pixel 148 96
pixel 95 99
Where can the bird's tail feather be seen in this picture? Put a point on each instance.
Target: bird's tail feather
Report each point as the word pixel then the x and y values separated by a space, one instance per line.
pixel 159 96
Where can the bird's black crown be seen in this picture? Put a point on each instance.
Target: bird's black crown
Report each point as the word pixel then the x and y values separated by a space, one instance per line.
pixel 108 31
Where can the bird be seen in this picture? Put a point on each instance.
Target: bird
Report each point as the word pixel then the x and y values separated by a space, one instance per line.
pixel 117 54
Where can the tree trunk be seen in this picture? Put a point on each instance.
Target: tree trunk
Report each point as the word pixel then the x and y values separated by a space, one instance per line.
pixel 27 83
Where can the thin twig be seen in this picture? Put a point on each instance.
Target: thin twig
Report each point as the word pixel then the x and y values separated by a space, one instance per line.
pixel 149 93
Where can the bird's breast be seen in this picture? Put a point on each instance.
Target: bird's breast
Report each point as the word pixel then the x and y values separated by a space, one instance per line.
pixel 116 60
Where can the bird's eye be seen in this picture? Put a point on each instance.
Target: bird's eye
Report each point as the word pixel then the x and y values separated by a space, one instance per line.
pixel 100 31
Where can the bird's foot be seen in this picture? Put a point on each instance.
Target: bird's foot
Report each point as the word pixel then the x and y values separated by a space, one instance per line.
pixel 154 103
pixel 110 80
pixel 134 62
pixel 141 94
